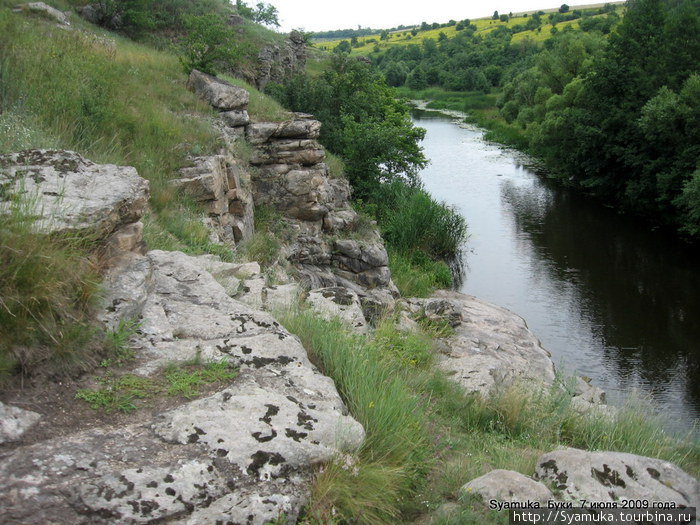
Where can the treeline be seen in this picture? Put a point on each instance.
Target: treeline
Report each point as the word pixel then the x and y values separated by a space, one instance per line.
pixel 620 117
pixel 371 130
pixel 469 61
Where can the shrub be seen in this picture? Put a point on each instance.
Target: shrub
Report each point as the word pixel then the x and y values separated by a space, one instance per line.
pixel 208 44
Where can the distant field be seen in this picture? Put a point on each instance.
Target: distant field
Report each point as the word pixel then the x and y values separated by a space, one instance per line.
pixel 484 26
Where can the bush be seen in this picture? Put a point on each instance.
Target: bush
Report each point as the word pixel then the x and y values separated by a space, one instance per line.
pixel 209 44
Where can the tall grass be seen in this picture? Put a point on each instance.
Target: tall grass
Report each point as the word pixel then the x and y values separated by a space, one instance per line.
pixel 108 98
pixel 47 289
pixel 426 438
pixel 412 220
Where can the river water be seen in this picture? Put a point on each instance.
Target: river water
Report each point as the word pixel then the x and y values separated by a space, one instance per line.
pixel 608 297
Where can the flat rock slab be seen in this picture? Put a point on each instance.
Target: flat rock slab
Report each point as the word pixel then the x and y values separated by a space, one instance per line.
pixel 241 455
pixel 69 193
pixel 218 93
pixel 491 346
pixel 614 476
pixel 507 485
pixel 14 422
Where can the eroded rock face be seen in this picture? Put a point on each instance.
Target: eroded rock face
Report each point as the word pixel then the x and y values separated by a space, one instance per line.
pixel 614 476
pixel 14 422
pixel 278 62
pixel 218 93
pixel 72 194
pixel 507 485
pixel 224 188
pixel 241 455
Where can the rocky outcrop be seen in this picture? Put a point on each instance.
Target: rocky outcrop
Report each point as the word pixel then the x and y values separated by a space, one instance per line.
pixel 218 93
pixel 242 455
pixel 14 422
pixel 613 476
pixel 70 194
pixel 277 63
pixel 292 177
pixel 507 485
pixel 223 187
pixel 289 175
pixel 42 9
pixel 491 346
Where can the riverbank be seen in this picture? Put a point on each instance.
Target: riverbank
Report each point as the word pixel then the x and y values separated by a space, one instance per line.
pixel 477 108
pixel 610 299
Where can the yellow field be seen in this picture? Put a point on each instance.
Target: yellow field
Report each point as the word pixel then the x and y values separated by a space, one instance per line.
pixel 484 26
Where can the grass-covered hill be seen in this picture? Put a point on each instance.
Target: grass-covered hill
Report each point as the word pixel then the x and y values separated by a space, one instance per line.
pixel 521 25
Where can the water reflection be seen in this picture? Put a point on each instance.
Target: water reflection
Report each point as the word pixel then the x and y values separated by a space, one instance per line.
pixel 608 297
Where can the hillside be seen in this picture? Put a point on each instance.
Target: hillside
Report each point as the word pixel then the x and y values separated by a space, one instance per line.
pixel 517 23
pixel 207 317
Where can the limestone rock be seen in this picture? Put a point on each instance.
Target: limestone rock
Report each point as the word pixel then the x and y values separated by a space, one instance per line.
pixel 217 93
pixel 614 476
pixel 45 10
pixel 281 296
pixel 339 302
pixel 279 62
pixel 206 180
pixel 291 129
pixel 507 485
pixel 14 422
pixel 243 454
pixel 305 152
pixel 252 292
pixel 235 118
pixel 72 194
pixel 491 346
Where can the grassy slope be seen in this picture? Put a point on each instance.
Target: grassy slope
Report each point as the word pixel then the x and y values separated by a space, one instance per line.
pixel 113 101
pixel 484 26
pixel 426 438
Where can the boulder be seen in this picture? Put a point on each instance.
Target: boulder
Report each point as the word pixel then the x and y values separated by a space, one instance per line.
pixel 206 180
pixel 14 422
pixel 339 302
pixel 491 346
pixel 614 476
pixel 70 194
pixel 45 10
pixel 243 454
pixel 217 93
pixel 235 118
pixel 507 485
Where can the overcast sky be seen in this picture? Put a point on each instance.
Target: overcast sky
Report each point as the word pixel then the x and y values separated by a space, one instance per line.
pixel 320 15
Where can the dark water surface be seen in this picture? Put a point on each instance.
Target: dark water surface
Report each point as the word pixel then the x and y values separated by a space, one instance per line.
pixel 609 298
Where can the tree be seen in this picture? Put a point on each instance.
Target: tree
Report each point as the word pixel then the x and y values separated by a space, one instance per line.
pixel 495 15
pixel 363 122
pixel 208 44
pixel 343 47
pixel 564 8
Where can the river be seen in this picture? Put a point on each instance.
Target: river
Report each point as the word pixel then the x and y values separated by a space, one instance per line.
pixel 607 296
